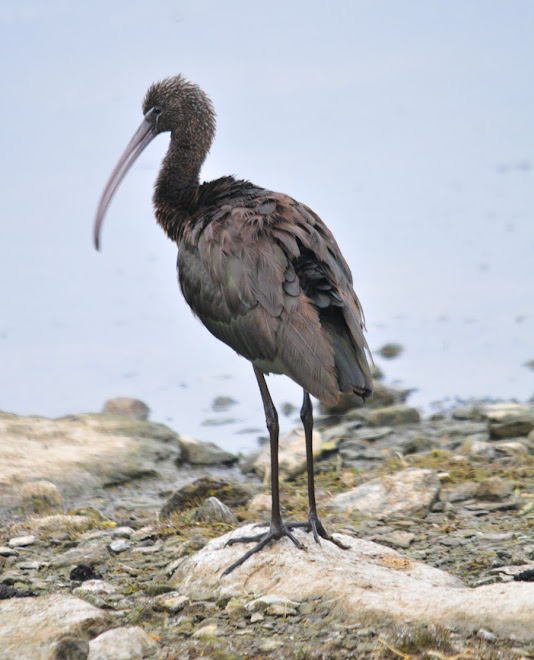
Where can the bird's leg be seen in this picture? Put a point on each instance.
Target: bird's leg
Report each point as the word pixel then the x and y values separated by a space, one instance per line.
pixel 277 527
pixel 313 524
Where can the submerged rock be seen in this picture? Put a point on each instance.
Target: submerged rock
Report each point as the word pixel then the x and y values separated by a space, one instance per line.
pixel 125 407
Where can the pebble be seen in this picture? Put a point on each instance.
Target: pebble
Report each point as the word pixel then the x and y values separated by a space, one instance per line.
pixel 394 416
pixel 118 546
pixel 213 510
pixel 170 602
pixel 95 587
pixel 262 603
pixel 5 551
pixel 21 541
pixel 209 630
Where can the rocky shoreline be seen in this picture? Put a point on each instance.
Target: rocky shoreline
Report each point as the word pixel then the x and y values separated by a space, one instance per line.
pixel 113 529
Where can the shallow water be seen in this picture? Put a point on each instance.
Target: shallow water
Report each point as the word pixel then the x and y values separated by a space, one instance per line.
pixel 408 129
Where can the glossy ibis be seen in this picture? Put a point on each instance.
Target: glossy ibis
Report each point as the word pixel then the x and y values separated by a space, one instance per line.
pixel 260 270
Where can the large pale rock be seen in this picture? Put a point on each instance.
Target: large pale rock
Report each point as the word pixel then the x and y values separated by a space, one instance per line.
pixel 77 453
pixel 131 643
pixel 365 582
pixel 32 627
pixel 291 454
pixel 405 493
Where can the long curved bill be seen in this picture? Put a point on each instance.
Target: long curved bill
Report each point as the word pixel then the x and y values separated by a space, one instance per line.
pixel 142 137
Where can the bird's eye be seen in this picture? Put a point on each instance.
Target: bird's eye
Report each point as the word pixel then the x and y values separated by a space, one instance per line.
pixel 157 110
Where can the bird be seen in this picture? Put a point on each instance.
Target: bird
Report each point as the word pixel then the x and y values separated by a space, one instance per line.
pixel 261 271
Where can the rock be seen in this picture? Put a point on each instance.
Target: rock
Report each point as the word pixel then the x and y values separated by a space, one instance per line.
pixel 260 503
pixel 494 489
pixel 118 546
pixel 273 604
pixel 468 412
pixel 79 454
pixel 520 425
pixel 131 643
pixel 213 510
pixel 125 407
pixel 511 448
pixel 222 403
pixel 480 449
pixel 397 539
pixel 405 493
pixel 459 492
pixel 70 648
pixel 171 602
pixel 21 541
pixel 6 551
pixel 208 630
pixel 382 396
pixel 390 350
pixel 82 573
pixel 196 452
pixel 61 522
pixel 97 587
pixel 366 581
pixel 503 412
pixel 195 493
pixel 291 455
pixel 32 627
pixel 394 416
pixel 40 497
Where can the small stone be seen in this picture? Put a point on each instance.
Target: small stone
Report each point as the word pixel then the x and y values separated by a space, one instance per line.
pixel 40 497
pixel 122 532
pixel 222 403
pixel 21 541
pixel 28 565
pixel 260 503
pixel 270 645
pixel 196 452
pixel 459 493
pixel 62 522
pixel 511 448
pixel 82 573
pixel 132 643
pixel 480 449
pixel 126 407
pixel 235 607
pixel 394 416
pixel 397 539
pixel 148 549
pixel 256 616
pixel 209 630
pixel 390 350
pixel 262 603
pixel 405 493
pixel 70 648
pixel 170 602
pixel 195 493
pixel 501 412
pixel 515 427
pixel 494 489
pixel 97 587
pixel 486 635
pixel 118 546
pixel 213 510
pixel 7 552
pixel 291 454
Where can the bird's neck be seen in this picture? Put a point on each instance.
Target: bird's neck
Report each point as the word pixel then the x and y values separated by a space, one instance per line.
pixel 176 189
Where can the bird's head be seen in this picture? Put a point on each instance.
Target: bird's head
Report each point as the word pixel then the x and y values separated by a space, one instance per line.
pixel 173 105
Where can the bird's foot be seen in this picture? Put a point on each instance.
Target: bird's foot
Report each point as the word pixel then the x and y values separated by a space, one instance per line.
pixel 313 524
pixel 275 532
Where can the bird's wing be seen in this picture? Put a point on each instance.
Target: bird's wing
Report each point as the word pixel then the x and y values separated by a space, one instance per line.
pixel 237 272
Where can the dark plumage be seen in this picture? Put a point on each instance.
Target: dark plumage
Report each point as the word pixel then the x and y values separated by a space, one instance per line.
pixel 261 271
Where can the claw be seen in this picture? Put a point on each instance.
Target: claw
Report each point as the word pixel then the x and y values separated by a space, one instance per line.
pixel 274 533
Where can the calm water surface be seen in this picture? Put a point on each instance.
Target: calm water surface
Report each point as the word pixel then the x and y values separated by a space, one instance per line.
pixel 408 128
